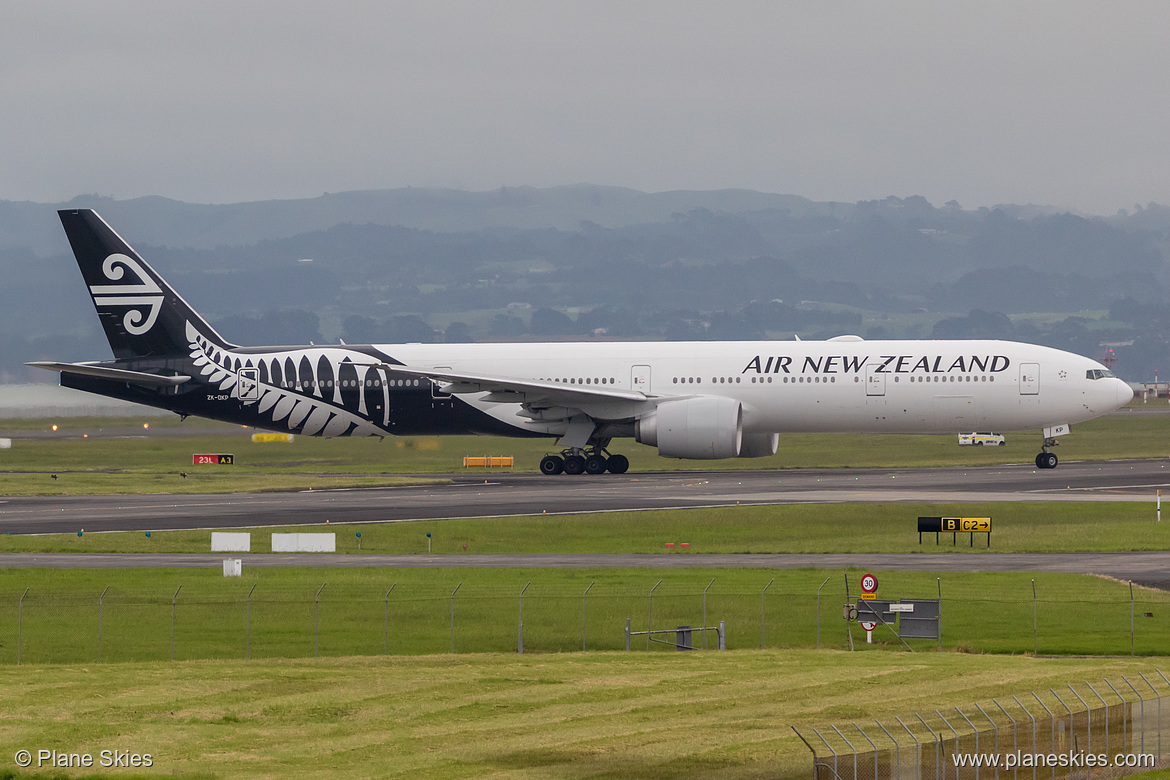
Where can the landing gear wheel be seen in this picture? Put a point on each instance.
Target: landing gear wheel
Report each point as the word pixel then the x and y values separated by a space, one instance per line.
pixel 1046 460
pixel 595 464
pixel 551 464
pixel 618 464
pixel 574 464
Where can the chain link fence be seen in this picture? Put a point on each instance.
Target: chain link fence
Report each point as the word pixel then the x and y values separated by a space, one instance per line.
pixel 234 619
pixel 1109 729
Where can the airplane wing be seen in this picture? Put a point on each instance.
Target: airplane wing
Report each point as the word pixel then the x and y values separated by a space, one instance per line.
pixel 529 392
pixel 116 374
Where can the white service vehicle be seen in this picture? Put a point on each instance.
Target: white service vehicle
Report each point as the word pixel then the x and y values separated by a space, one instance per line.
pixel 981 439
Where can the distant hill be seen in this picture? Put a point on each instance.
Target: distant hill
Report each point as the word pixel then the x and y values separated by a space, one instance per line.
pixel 585 261
pixel 164 222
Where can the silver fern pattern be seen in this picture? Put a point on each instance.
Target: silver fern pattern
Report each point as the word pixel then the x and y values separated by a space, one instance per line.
pixel 319 392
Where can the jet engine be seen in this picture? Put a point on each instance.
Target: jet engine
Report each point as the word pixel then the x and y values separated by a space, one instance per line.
pixel 759 445
pixel 699 428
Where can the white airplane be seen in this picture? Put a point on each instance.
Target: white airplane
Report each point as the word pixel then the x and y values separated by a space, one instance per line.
pixel 701 400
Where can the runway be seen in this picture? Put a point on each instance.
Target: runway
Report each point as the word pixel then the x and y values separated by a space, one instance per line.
pixel 502 495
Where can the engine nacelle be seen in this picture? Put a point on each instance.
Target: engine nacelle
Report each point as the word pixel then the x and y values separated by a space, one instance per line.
pixel 759 445
pixel 697 428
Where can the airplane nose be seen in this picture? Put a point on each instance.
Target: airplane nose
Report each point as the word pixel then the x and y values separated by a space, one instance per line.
pixel 1124 393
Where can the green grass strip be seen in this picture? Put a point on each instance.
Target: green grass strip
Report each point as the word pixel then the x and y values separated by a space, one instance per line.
pixel 792 528
pixel 297 612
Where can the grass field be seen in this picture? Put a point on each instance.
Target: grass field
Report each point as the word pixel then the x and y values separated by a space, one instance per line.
pixel 637 715
pixel 100 464
pixel 554 711
pixel 792 528
pixel 290 614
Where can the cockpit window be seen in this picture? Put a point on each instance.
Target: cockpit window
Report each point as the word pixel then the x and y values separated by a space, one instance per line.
pixel 1097 373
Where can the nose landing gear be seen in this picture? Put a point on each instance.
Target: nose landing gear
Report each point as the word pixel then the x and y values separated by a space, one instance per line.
pixel 1046 459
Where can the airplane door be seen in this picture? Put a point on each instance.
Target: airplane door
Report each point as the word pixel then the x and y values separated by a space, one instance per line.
pixel 437 394
pixel 249 384
pixel 875 383
pixel 640 379
pixel 1029 379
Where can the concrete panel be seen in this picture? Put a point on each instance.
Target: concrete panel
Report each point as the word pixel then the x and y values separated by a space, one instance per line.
pixel 231 542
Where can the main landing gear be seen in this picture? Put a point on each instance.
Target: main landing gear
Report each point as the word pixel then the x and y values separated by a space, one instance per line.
pixel 579 461
pixel 1046 459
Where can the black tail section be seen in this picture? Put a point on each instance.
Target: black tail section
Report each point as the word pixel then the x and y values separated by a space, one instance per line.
pixel 141 314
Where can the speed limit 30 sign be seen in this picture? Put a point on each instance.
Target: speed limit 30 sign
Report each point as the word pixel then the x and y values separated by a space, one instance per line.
pixel 869 584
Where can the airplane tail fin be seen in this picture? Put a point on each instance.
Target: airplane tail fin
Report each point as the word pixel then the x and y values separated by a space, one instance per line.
pixel 141 314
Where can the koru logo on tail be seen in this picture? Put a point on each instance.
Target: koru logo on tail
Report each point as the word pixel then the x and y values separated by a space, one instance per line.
pixel 140 296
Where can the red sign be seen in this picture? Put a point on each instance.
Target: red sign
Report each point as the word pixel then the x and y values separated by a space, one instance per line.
pixel 869 583
pixel 225 460
pixel 868 625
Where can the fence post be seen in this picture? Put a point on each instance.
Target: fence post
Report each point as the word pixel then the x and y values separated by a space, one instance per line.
pixel 386 623
pixel 520 641
pixel 848 623
pixel 1015 735
pixel 1035 641
pixel 1099 696
pixel 583 595
pixel 703 633
pixel 650 613
pixel 722 634
pixel 762 625
pixel 174 601
pixel 875 750
pixel 1052 720
pixel 816 763
pixel 939 580
pixel 942 747
pixel 1070 714
pixel 1131 620
pixel 1159 698
pixel 937 744
pixel 1088 717
pixel 101 599
pixel 834 752
pixel 1143 709
pixel 976 731
pixel 1124 714
pixel 917 749
pixel 20 624
pixel 994 729
pixel 457 587
pixel 897 753
pixel 248 623
pixel 819 614
pixel 317 621
pixel 627 635
pixel 1032 717
pixel 851 749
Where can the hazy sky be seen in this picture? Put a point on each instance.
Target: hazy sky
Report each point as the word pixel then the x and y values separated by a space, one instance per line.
pixel 1061 103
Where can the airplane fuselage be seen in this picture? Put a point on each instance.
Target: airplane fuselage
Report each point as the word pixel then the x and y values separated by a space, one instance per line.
pixel 702 400
pixel 783 386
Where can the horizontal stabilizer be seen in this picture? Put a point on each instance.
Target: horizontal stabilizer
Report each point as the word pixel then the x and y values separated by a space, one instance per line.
pixel 116 374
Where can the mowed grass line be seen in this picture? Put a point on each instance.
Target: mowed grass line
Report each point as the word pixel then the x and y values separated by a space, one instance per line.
pixel 786 528
pixel 298 612
pixel 99 464
pixel 637 715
